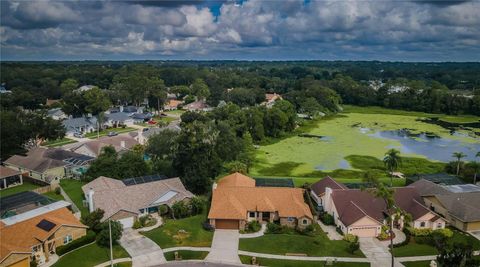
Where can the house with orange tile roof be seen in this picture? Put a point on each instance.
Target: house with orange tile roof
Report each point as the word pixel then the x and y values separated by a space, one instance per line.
pixel 271 98
pixel 236 200
pixel 35 234
pixel 172 104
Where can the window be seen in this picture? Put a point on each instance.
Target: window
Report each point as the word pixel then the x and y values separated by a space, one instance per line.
pixel 251 214
pixel 439 225
pixel 67 239
pixel 305 221
pixel 422 224
pixel 290 219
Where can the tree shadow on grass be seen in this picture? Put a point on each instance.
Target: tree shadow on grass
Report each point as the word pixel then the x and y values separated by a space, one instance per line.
pixel 280 169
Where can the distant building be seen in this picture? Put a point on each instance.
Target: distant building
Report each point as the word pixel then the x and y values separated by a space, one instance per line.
pixel 172 104
pixel 56 114
pixel 3 90
pixel 199 105
pixel 81 125
pixel 51 102
pixel 118 119
pixel 84 88
pixel 10 177
pixel 270 99
pixel 93 148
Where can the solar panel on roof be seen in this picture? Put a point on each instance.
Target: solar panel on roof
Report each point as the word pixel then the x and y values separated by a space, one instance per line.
pixel 46 225
pixel 143 179
pixel 274 182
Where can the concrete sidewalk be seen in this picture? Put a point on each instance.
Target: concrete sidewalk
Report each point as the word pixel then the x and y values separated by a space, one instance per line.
pixel 257 234
pixel 144 252
pixel 377 253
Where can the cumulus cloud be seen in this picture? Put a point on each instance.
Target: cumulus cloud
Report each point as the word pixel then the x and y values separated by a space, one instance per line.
pixel 253 29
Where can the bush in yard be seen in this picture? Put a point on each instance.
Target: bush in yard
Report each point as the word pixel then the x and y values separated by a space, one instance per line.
pixel 339 230
pixel 87 239
pixel 92 220
pixel 197 205
pixel 350 238
pixel 383 233
pixel 143 220
pixel 33 263
pixel 103 238
pixel 419 232
pixel 327 219
pixel 273 228
pixel 253 226
pixel 310 230
pixel 180 210
pixel 406 241
pixel 162 210
pixel 137 224
pixel 57 190
pixel 207 226
pixel 353 246
pixel 447 233
pixel 440 237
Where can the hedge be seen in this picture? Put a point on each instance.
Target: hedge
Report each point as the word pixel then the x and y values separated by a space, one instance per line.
pixel 87 239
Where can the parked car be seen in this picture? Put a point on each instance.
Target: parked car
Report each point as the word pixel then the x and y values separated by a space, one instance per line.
pixel 112 133
pixel 145 129
pixel 78 135
pixel 163 115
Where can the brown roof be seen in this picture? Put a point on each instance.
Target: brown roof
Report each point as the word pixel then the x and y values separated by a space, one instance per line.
pixel 236 195
pixel 112 195
pixel 173 103
pixel 236 179
pixel 50 102
pixel 354 204
pixel 7 172
pixel 21 236
pixel 41 159
pixel 272 97
pixel 319 187
pixel 115 141
pixel 197 105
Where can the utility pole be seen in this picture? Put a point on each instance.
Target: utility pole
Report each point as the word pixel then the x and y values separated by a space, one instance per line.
pixel 111 250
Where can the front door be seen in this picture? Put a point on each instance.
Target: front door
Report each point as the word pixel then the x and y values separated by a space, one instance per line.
pixel 266 216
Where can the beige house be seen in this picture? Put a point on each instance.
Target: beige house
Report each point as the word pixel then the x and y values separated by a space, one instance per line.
pixel 46 164
pixel 126 200
pixel 93 148
pixel 357 212
pixel 236 200
pixel 9 177
pixel 458 204
pixel 35 233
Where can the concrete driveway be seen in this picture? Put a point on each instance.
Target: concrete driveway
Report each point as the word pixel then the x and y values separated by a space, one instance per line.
pixel 224 247
pixel 377 253
pixel 144 252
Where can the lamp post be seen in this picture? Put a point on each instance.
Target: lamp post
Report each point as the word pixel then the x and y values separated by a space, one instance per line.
pixel 110 234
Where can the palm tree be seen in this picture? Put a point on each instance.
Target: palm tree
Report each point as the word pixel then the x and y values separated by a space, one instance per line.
pixel 458 156
pixel 379 190
pixel 392 161
pixel 476 168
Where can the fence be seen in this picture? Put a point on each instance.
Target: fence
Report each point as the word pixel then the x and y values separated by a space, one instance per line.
pixel 45 189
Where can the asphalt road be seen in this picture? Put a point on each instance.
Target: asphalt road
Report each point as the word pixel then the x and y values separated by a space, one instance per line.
pixel 194 264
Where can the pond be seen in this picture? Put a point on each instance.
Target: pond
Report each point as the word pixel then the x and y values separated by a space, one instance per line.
pixel 433 148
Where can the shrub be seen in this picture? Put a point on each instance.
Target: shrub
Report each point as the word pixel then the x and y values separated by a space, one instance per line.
pixel 180 210
pixel 309 230
pixel 197 205
pixel 327 219
pixel 428 240
pixel 447 233
pixel 33 263
pixel 57 190
pixel 88 238
pixel 352 247
pixel 137 224
pixel 406 241
pixel 419 232
pixel 339 230
pixel 143 220
pixel 162 210
pixel 350 238
pixel 92 220
pixel 253 226
pixel 207 226
pixel 103 237
pixel 273 228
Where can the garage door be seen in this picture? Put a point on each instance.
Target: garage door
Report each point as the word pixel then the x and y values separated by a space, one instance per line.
pixel 127 222
pixel 364 231
pixel 226 224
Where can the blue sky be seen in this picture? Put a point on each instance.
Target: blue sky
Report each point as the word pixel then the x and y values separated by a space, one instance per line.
pixel 390 30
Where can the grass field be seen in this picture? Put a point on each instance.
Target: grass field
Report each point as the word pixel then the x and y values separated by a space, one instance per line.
pixel 59 142
pixel 106 131
pixel 73 188
pixel 280 244
pixel 168 235
pixel 53 195
pixel 347 152
pixel 186 255
pixel 417 264
pixel 91 255
pixel 294 263
pixel 17 189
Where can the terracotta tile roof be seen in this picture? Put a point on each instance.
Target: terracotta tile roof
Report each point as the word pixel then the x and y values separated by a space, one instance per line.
pixel 23 235
pixel 236 179
pixel 172 103
pixel 272 97
pixel 112 195
pixel 7 172
pixel 353 204
pixel 237 194
pixel 319 187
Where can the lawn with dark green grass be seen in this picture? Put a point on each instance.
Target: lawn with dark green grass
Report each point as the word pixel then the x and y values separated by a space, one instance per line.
pixel 26 186
pixel 459 236
pixel 58 142
pixel 105 132
pixel 186 255
pixel 414 249
pixel 280 244
pixel 73 188
pixel 416 264
pixel 53 195
pixel 295 263
pixel 90 255
pixel 168 234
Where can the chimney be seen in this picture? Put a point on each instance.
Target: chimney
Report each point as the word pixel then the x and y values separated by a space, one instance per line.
pixel 328 199
pixel 121 108
pixel 122 144
pixel 90 200
pixel 214 186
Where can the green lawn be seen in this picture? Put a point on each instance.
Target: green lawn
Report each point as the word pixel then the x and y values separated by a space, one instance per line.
pixel 414 249
pixel 167 235
pixel 91 255
pixel 459 236
pixel 294 263
pixel 176 112
pixel 53 195
pixel 73 188
pixel 59 142
pixel 106 131
pixel 186 255
pixel 281 244
pixel 164 119
pixel 17 189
